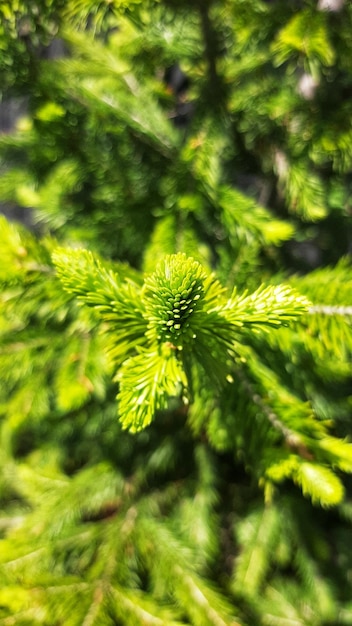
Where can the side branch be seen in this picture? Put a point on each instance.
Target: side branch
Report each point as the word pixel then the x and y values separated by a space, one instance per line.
pixel 331 310
pixel 291 438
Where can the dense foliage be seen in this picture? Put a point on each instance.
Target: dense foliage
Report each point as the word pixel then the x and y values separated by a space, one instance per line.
pixel 175 323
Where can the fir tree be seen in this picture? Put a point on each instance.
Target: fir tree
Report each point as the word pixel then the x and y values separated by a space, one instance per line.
pixel 175 328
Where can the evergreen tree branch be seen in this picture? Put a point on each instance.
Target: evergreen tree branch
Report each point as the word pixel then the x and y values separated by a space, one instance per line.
pixel 331 310
pixel 291 437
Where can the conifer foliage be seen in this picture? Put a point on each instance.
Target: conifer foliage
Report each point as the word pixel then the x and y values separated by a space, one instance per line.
pixel 175 323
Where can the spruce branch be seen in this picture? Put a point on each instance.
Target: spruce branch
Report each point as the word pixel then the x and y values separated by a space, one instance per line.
pixel 203 603
pixel 179 314
pixel 328 321
pixel 246 220
pixel 291 437
pixel 103 82
pixel 147 383
pixel 136 606
pixel 267 306
pixel 257 535
pixel 331 310
pixel 112 293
